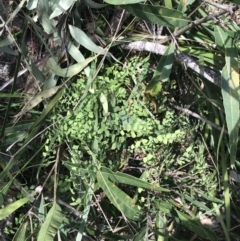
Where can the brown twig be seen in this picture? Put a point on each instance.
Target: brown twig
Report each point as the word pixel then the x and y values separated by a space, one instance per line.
pixel 197 22
pixel 220 6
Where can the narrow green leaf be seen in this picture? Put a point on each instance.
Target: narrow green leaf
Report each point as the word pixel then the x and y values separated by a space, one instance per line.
pixel 39 98
pixel 160 226
pixel 119 199
pixel 183 5
pixel 9 95
pixel 41 209
pixel 122 2
pixel 6 41
pixel 157 14
pixel 209 197
pixel 12 207
pixel 221 36
pixel 104 102
pixel 196 227
pixel 77 55
pixel 168 4
pixel 84 40
pixel 71 70
pixel 51 224
pixel 130 180
pixel 32 4
pixel 118 177
pixel 230 86
pixel 62 7
pixel 140 236
pixel 162 72
pixel 15 12
pixel 154 87
pixel 21 232
pixel 37 124
pixel 164 66
pixel 37 73
pixel 219 215
pixel 196 203
pixel 93 4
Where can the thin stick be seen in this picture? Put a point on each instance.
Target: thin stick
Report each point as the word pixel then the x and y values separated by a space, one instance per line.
pixel 185 59
pixel 196 23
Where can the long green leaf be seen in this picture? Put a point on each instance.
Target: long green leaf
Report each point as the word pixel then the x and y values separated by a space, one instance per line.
pixel 157 14
pixel 162 72
pixel 124 178
pixel 220 36
pixel 123 2
pixel 93 4
pixel 84 40
pixel 119 199
pixel 62 7
pixel 195 226
pixel 77 55
pixel 12 207
pixel 39 98
pixel 118 177
pixel 51 224
pixel 71 70
pixel 230 88
pixel 21 232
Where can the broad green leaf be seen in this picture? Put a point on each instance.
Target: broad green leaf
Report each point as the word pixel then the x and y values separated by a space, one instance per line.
pixel 84 40
pixel 51 224
pixel 157 14
pixel 123 2
pixel 62 7
pixel 119 199
pixel 38 99
pixel 71 70
pixel 221 36
pixel 230 88
pixel 12 207
pixel 196 227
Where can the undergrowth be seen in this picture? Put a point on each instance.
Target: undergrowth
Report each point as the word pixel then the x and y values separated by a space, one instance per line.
pixel 119 127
